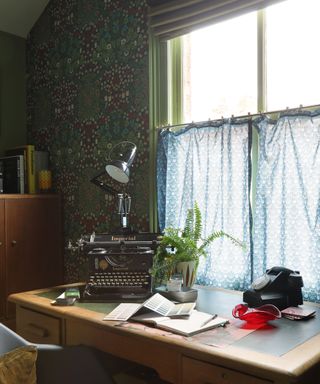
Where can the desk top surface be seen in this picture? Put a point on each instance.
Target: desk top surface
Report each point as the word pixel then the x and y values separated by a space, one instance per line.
pixel 276 338
pixel 284 345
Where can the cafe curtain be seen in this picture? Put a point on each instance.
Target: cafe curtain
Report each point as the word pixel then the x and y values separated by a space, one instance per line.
pixel 209 164
pixel 172 18
pixel 287 214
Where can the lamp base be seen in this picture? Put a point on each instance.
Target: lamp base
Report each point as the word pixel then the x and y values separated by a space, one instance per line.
pixel 124 231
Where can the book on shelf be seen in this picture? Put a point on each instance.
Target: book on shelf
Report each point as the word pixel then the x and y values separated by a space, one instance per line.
pixel 13 174
pixel 27 151
pixel 156 303
pixel 197 322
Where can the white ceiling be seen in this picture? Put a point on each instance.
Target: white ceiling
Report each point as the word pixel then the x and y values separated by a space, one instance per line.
pixel 19 16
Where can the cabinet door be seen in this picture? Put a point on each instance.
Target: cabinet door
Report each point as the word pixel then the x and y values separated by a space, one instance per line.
pixel 33 258
pixel 2 266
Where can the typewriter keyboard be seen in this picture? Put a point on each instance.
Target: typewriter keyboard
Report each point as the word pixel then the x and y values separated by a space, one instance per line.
pixel 120 279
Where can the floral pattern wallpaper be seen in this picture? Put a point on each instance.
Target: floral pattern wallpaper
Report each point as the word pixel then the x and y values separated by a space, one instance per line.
pixel 87 90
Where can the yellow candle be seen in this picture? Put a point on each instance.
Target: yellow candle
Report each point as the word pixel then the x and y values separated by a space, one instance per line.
pixel 45 180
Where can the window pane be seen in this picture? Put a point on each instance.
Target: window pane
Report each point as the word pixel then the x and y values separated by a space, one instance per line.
pixel 220 70
pixel 293 55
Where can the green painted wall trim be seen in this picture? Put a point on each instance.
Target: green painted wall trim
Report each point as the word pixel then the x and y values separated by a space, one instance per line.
pixel 175 80
pixel 158 115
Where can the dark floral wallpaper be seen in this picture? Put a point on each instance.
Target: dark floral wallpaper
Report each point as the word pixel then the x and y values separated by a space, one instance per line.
pixel 87 90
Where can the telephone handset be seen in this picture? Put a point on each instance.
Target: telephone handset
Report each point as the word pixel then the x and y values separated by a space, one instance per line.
pixel 279 286
pixel 264 280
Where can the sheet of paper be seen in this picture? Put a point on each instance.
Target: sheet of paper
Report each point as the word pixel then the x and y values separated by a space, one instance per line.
pixel 181 309
pixel 165 307
pixel 159 304
pixel 123 312
pixel 223 336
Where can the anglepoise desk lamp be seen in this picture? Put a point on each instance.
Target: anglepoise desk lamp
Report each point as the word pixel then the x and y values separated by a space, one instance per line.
pixel 118 168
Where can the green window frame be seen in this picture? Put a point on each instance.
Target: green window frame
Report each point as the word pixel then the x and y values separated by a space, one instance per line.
pixel 166 99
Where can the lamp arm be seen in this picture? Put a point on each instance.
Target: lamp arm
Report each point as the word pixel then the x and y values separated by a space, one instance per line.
pixel 95 180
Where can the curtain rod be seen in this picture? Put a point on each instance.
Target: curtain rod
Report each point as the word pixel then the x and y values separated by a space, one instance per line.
pixel 299 109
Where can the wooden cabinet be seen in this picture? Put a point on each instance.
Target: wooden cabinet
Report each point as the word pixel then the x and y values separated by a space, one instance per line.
pixel 2 256
pixel 31 245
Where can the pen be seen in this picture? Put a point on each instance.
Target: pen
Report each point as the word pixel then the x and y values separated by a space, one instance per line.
pixel 208 320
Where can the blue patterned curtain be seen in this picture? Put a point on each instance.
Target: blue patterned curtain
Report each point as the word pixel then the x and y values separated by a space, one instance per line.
pixel 209 164
pixel 287 216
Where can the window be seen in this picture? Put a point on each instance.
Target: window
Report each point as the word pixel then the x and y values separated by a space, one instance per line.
pixel 220 74
pixel 261 61
pixel 292 56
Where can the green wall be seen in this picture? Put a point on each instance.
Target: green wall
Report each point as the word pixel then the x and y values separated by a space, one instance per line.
pixel 12 91
pixel 87 90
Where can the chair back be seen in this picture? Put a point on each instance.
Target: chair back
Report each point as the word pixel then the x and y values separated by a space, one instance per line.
pixel 9 340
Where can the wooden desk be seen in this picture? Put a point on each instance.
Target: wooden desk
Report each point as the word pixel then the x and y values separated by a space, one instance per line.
pixel 176 360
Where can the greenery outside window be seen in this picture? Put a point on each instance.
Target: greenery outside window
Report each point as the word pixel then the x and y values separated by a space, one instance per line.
pixel 246 64
pixel 257 62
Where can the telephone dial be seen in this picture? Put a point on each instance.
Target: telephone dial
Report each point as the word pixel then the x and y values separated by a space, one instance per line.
pixel 279 286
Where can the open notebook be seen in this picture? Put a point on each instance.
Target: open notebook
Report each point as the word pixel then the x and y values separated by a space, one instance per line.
pixel 157 303
pixel 162 313
pixel 197 322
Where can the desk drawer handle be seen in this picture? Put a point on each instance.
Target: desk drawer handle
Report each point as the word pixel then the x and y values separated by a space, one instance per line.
pixel 224 376
pixel 14 242
pixel 35 330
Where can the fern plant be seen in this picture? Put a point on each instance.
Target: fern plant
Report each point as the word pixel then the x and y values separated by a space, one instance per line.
pixel 185 244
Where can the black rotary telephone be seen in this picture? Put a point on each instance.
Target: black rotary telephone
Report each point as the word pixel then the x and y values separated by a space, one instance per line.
pixel 279 286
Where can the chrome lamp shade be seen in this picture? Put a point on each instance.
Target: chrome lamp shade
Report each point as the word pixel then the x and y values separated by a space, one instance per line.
pixel 119 167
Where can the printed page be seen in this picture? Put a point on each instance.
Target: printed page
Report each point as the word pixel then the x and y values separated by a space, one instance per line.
pixel 159 304
pixel 123 311
pixel 165 307
pixel 183 309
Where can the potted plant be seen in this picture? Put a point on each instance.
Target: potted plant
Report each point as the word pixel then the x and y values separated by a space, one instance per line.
pixel 180 250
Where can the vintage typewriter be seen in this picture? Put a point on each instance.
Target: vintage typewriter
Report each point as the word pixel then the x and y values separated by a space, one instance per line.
pixel 119 268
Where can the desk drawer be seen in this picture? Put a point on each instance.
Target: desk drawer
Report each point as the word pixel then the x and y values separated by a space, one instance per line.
pixel 199 372
pixel 37 327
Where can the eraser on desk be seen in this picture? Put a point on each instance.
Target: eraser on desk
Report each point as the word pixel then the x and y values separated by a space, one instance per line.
pixel 72 292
